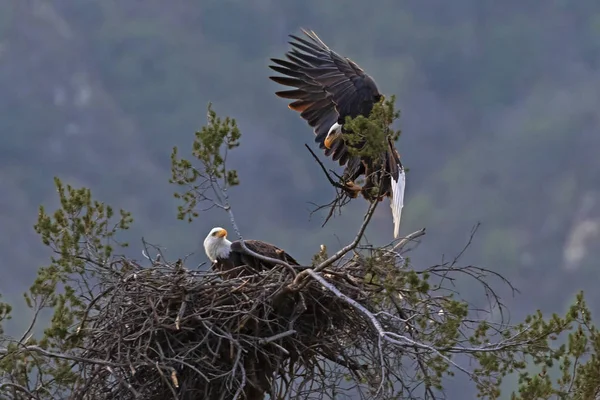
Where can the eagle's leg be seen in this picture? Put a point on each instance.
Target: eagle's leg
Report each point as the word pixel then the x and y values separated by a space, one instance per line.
pixel 370 194
pixel 377 182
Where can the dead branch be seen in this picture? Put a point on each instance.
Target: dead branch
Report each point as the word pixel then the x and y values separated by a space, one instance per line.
pixel 340 253
pixel 407 239
pixel 343 192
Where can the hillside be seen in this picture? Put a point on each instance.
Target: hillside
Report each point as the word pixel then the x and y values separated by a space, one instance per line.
pixel 499 118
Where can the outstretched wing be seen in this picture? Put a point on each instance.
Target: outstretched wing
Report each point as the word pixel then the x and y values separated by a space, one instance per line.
pixel 328 87
pixel 263 248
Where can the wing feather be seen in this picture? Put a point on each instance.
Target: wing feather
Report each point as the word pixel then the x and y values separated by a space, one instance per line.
pixel 315 113
pixel 310 49
pixel 315 46
pixel 287 71
pixel 294 94
pixel 287 64
pixel 320 71
pixel 313 36
pixel 310 59
pixel 331 79
pixel 300 84
pixel 263 248
pixel 301 105
pixel 297 61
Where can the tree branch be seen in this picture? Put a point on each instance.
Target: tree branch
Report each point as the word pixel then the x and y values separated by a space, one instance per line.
pixel 19 388
pixel 62 356
pixel 296 284
pixel 399 340
pixel 408 238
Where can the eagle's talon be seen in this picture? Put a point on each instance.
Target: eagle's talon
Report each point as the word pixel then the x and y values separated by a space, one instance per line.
pixel 352 189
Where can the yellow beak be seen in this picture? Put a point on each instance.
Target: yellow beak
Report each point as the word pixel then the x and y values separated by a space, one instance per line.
pixel 222 233
pixel 330 139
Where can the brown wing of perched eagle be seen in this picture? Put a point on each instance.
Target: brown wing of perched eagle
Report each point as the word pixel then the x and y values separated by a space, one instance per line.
pixel 327 88
pixel 231 259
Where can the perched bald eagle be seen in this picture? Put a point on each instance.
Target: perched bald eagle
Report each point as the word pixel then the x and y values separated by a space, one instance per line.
pixel 231 259
pixel 329 87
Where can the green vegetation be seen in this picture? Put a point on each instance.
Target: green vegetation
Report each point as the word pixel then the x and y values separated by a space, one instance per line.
pixel 499 126
pixel 372 132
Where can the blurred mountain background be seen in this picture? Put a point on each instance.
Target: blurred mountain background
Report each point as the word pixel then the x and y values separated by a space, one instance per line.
pixel 500 116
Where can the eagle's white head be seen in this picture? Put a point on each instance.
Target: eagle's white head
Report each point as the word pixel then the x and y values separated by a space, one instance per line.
pixel 216 244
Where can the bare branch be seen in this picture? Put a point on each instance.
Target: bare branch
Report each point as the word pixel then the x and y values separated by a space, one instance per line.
pixel 407 239
pixel 340 253
pixel 277 337
pixel 19 388
pixel 36 349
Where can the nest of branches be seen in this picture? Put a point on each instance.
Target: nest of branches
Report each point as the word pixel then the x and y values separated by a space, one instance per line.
pixel 169 332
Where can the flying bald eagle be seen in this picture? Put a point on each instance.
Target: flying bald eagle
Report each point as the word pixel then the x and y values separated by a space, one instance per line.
pixel 231 259
pixel 329 87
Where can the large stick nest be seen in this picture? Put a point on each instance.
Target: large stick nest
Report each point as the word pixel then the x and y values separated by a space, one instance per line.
pixel 168 332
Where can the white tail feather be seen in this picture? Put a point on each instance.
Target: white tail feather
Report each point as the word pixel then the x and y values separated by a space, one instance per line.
pixel 397 200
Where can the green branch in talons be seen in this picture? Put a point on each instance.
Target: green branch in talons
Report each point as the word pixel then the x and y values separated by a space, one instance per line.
pixel 368 136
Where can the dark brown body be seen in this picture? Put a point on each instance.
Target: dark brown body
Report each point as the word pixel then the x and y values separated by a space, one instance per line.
pixel 239 263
